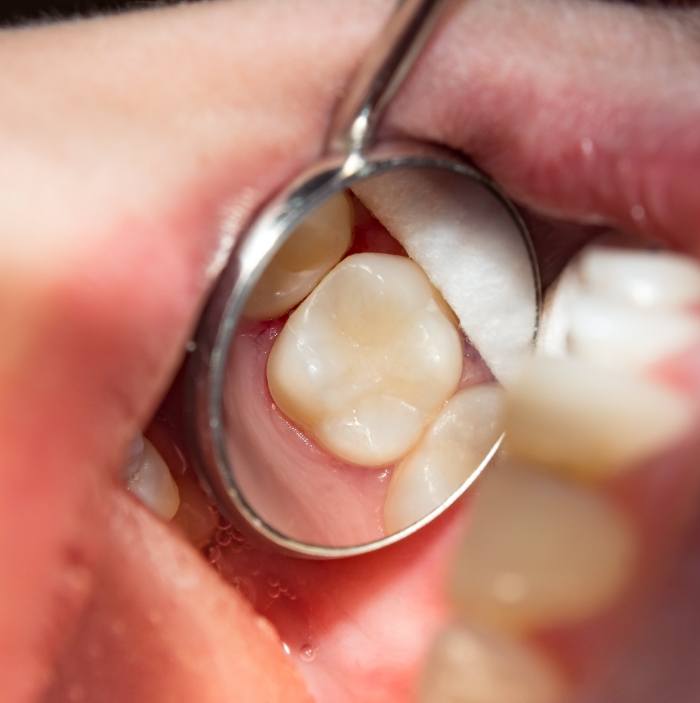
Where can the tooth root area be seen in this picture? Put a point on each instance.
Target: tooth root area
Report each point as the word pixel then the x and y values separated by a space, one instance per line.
pixel 622 308
pixel 540 551
pixel 367 359
pixel 148 477
pixel 312 249
pixel 469 666
pixel 451 451
pixel 575 417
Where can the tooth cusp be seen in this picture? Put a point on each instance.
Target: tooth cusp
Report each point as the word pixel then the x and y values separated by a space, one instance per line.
pixel 367 359
pixel 622 308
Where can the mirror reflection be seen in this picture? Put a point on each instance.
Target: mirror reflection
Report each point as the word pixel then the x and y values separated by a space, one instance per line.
pixel 364 383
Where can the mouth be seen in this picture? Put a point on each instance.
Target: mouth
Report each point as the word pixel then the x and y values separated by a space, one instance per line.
pixel 135 612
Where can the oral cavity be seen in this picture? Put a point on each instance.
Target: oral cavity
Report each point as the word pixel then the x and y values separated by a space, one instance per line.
pixel 544 550
pixel 372 363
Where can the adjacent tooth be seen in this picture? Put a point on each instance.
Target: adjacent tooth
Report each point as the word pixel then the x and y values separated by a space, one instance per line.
pixel 452 450
pixel 622 308
pixel 367 359
pixel 467 666
pixel 148 477
pixel 618 335
pixel 540 551
pixel 571 416
pixel 471 250
pixel 644 278
pixel 315 246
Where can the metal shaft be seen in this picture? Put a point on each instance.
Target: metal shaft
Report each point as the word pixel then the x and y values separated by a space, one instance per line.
pixel 380 74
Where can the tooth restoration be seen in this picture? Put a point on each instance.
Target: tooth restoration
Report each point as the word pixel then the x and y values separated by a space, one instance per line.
pixel 367 359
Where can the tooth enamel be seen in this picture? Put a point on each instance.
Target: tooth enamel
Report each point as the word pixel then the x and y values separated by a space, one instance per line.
pixel 314 247
pixel 467 666
pixel 572 416
pixel 367 359
pixel 644 278
pixel 148 477
pixel 451 451
pixel 539 551
pixel 471 250
pixel 622 307
pixel 618 335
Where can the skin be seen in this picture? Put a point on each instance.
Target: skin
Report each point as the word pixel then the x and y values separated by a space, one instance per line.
pixel 127 142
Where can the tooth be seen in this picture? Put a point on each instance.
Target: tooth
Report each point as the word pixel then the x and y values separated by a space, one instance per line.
pixel 644 278
pixel 622 308
pixel 468 666
pixel 572 416
pixel 450 452
pixel 312 250
pixel 148 477
pixel 621 336
pixel 472 252
pixel 367 359
pixel 540 551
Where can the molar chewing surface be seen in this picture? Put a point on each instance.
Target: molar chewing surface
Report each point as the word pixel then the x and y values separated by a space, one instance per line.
pixel 367 360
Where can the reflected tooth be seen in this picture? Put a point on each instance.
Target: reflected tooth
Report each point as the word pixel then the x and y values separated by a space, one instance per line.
pixel 622 307
pixel 148 477
pixel 540 551
pixel 644 278
pixel 313 248
pixel 451 451
pixel 367 359
pixel 471 250
pixel 571 416
pixel 467 666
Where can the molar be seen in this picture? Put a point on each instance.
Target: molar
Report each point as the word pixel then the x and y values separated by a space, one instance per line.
pixel 540 551
pixel 313 248
pixel 367 360
pixel 622 307
pixel 469 666
pixel 451 451
pixel 148 477
pixel 572 416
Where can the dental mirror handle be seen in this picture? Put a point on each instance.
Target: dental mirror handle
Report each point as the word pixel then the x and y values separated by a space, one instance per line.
pixel 380 74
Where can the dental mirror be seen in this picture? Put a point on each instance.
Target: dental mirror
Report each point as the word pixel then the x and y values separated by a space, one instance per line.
pixel 346 383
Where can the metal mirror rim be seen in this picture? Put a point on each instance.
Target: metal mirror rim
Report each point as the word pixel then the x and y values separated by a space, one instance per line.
pixel 253 249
